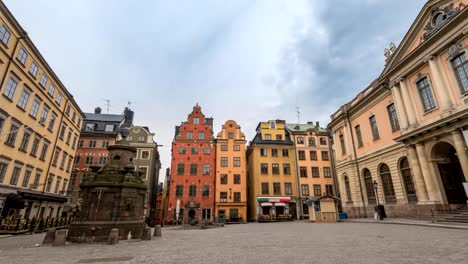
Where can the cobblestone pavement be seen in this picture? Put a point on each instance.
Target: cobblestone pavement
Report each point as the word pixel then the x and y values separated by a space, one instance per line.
pixel 296 242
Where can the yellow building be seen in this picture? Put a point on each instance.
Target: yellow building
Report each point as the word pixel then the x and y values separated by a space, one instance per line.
pixel 39 127
pixel 314 169
pixel 271 173
pixel 231 171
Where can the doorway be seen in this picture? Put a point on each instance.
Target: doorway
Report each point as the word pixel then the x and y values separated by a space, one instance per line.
pixel 450 172
pixel 191 214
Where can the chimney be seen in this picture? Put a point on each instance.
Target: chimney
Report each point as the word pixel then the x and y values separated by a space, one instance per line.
pixel 310 122
pixel 97 110
pixel 317 124
pixel 128 116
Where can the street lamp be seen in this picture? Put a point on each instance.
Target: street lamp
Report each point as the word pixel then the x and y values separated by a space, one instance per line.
pixel 376 193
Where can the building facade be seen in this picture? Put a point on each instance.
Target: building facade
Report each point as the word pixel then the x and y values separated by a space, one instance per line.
pixel 231 171
pixel 400 142
pixel 271 174
pixel 39 127
pixel 193 166
pixel 314 169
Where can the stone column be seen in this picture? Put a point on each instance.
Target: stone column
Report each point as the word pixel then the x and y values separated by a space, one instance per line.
pixel 400 107
pixel 440 88
pixel 462 151
pixel 431 186
pixel 410 110
pixel 418 176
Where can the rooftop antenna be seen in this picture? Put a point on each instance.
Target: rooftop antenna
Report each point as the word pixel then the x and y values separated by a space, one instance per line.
pixel 129 103
pixel 298 113
pixel 107 104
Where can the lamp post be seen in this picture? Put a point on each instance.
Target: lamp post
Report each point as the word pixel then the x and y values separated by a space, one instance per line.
pixel 376 193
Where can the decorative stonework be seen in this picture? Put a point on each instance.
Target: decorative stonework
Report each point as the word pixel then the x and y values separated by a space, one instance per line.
pixel 439 17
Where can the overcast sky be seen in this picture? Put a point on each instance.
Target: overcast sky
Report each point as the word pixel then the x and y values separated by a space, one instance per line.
pixel 250 61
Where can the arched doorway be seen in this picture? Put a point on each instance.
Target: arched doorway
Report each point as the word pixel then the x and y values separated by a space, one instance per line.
pixel 369 186
pixel 408 180
pixel 450 172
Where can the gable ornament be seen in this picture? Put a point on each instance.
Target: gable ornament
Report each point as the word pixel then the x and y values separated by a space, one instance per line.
pixel 440 16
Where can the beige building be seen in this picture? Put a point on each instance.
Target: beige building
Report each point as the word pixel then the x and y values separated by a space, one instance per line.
pixel 39 127
pixel 314 173
pixel 231 171
pixel 404 133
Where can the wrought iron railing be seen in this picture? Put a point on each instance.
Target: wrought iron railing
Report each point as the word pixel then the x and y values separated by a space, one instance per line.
pixel 33 225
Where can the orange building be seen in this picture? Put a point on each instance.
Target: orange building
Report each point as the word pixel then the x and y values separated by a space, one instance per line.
pixel 231 164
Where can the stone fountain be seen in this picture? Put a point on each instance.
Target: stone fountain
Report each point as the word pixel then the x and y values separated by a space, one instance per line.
pixel 113 197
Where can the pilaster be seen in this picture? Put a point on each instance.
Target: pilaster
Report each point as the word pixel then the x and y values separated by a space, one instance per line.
pixel 462 151
pixel 418 176
pixel 429 178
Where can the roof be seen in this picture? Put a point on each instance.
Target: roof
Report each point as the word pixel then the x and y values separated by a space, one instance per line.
pixel 304 128
pixel 104 117
pixel 258 140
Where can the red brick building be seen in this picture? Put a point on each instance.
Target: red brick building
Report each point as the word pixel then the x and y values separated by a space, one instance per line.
pixel 193 170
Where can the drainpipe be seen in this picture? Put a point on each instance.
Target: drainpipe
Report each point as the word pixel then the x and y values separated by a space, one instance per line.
pixel 336 188
pixel 358 171
pixel 299 200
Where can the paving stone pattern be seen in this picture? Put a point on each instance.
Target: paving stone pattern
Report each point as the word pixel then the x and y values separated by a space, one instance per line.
pixel 296 242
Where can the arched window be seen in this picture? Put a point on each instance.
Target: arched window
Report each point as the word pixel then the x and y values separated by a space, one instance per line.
pixel 387 184
pixel 408 180
pixel 348 189
pixel 369 186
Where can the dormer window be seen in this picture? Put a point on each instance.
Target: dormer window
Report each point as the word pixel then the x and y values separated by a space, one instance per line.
pixel 90 127
pixel 272 124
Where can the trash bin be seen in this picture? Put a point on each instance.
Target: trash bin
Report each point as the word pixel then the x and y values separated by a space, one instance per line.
pixel 343 216
pixel 380 212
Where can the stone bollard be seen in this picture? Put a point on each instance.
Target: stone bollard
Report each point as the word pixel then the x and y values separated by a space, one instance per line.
pixel 146 233
pixel 157 231
pixel 60 238
pixel 49 237
pixel 113 237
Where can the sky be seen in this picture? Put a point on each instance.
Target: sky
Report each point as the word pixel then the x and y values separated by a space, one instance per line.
pixel 245 60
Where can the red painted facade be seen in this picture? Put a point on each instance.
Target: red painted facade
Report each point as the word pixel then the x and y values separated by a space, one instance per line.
pixel 193 170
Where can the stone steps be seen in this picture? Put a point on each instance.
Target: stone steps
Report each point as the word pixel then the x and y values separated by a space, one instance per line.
pixel 456 216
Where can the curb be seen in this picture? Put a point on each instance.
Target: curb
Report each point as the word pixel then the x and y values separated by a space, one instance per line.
pixel 411 224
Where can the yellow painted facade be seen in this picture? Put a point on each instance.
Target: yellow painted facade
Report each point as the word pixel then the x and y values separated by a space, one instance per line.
pixel 39 125
pixel 231 174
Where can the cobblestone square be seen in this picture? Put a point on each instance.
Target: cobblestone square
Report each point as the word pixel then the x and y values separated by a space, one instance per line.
pixel 296 242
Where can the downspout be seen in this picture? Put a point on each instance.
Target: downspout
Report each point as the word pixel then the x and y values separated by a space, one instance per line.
pixel 336 188
pixel 297 180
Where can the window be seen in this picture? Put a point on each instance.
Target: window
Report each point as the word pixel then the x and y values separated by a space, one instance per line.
pixel 35 107
pixel 33 69
pixel 25 141
pixel 285 152
pixel 73 117
pixel 357 129
pixel 49 182
pixel 460 65
pixel 194 150
pixel 392 115
pixel 90 126
pixel 105 143
pixel 313 155
pixel 43 81
pixel 92 143
pixel 237 179
pixel 275 169
pixel 274 152
pixel 206 169
pixel 77 159
pixel 50 127
pixel 224 161
pixel 15 175
pixel 301 154
pixel 103 160
pixel 224 147
pixel 51 90
pixel 188 135
pixel 263 152
pixel 223 179
pixel 315 172
pixel 342 143
pixel 329 189
pixel 182 150
pixel 374 128
pixel 45 147
pixel 3 168
pixel 56 155
pixel 305 189
pixel 279 137
pixel 58 99
pixel 110 128
pixel 193 169
pixel 22 55
pixel 326 172
pixel 70 159
pixel 35 146
pixel 303 172
pixel 89 160
pixel 141 138
pixel 264 168
pixel 206 151
pixel 277 188
pixel 223 197
pixel 317 190
pixel 192 190
pixel 2 122
pixel 11 139
pixel 236 148
pixel 387 183
pixel 145 154
pixel 179 190
pixel 37 178
pixel 237 197
pixel 180 168
pixel 325 155
pixel 300 140
pixel 286 169
pixel 205 190
pixel 425 93
pixel 64 158
pixel 272 124
pixel 57 184
pixel 11 88
pixel 196 120
pixel 201 135
pixel 369 185
pixel 74 142
pixel 24 98
pixel 323 141
pixel 288 188
pixel 312 142
pixel 230 135
pixel 44 114
pixel 237 162
pixel 4 34
pixel 27 176
pixel 64 186
pixel 267 136
pixel 80 143
pixel 408 180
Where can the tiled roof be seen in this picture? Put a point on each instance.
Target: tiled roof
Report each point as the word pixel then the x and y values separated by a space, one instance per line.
pixel 104 117
pixel 304 127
